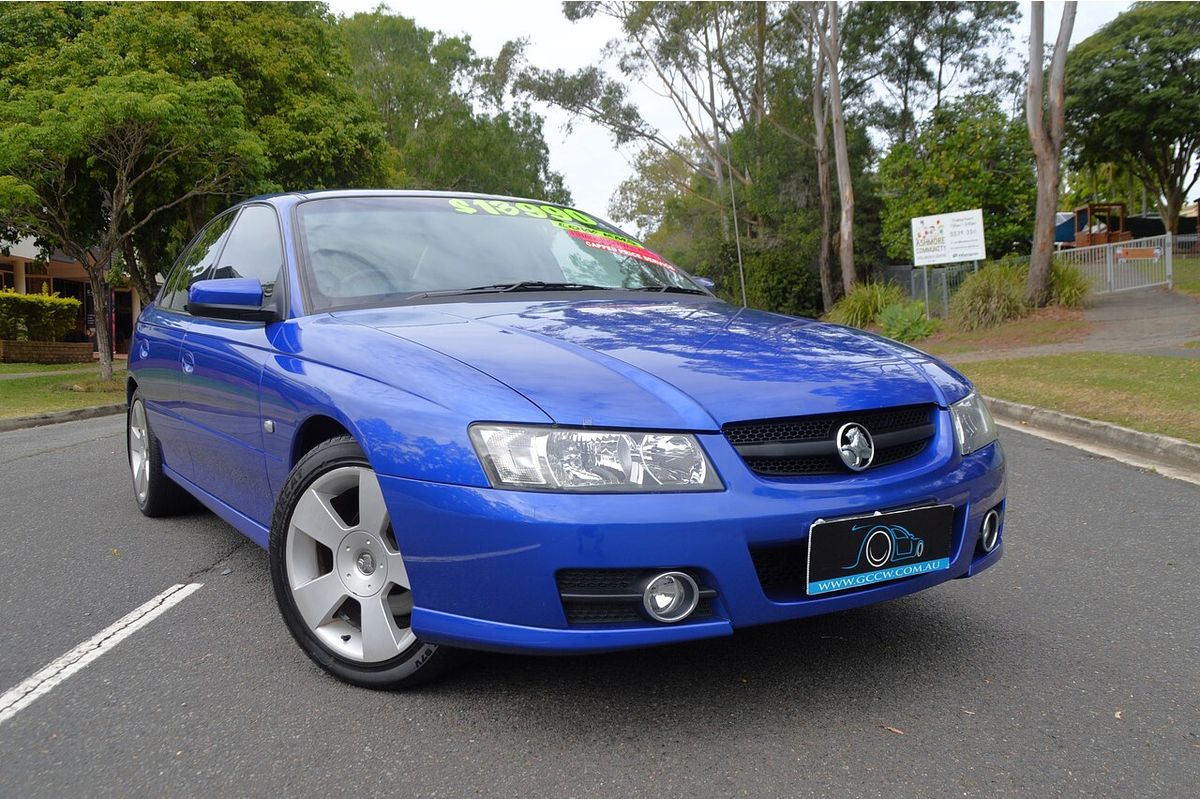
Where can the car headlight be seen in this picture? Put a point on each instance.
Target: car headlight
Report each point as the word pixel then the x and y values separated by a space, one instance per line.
pixel 973 423
pixel 576 460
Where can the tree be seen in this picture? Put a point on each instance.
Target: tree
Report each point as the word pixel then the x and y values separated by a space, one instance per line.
pixel 1133 97
pixel 123 127
pixel 968 155
pixel 293 71
pixel 909 57
pixel 830 41
pixel 707 59
pixel 1044 117
pixel 1104 183
pixel 444 110
pixel 74 158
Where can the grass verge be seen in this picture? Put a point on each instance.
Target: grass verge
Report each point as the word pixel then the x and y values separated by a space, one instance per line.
pixel 23 397
pixel 15 368
pixel 1186 275
pixel 1044 326
pixel 1154 394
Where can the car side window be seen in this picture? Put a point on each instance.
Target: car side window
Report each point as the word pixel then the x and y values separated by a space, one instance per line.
pixel 195 262
pixel 253 249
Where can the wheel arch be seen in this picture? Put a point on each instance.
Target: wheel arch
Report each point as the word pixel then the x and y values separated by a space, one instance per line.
pixel 313 431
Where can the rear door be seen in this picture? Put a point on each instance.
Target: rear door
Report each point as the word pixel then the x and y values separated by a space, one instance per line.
pixel 222 368
pixel 155 356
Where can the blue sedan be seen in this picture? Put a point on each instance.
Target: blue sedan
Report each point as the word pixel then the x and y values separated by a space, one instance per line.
pixel 470 422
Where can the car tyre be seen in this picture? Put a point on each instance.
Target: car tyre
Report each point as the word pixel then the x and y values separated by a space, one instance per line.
pixel 156 494
pixel 339 579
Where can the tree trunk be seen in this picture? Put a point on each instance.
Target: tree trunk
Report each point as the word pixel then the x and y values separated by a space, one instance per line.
pixel 103 309
pixel 1170 210
pixel 143 282
pixel 760 48
pixel 822 152
pixel 1046 137
pixel 832 48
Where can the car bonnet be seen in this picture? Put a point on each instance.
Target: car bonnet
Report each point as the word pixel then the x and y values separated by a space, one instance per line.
pixel 666 363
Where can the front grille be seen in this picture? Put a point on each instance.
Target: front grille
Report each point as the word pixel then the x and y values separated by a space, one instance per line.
pixel 782 569
pixel 614 596
pixel 610 613
pixel 806 445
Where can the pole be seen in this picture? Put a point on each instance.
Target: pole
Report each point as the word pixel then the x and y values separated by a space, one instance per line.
pixel 925 271
pixel 1108 264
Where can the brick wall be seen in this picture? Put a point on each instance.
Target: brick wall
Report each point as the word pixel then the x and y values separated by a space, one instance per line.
pixel 45 352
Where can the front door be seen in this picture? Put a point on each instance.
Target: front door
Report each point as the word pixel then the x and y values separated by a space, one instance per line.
pixel 222 364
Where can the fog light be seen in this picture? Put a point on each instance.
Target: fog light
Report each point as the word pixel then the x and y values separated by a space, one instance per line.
pixel 671 596
pixel 989 534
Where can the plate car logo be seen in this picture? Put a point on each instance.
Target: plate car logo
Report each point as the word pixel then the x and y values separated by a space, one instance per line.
pixel 855 446
pixel 886 543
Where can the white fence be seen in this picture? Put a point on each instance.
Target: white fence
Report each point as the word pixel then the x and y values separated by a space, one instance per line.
pixel 1122 266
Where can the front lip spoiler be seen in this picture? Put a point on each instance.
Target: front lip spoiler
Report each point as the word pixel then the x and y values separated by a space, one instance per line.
pixel 504 637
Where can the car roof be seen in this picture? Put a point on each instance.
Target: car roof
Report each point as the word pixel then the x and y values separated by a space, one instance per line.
pixel 312 194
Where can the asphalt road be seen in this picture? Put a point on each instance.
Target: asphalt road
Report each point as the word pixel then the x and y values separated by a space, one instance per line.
pixel 1072 668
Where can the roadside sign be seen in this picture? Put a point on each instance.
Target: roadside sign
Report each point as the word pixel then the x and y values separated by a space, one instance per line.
pixel 948 238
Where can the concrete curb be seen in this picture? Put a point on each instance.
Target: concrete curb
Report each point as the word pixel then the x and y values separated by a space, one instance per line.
pixel 36 421
pixel 1150 446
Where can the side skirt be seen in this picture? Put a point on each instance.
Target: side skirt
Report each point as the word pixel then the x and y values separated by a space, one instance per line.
pixel 246 526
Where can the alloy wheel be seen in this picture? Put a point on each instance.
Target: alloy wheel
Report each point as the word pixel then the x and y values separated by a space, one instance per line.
pixel 344 570
pixel 139 450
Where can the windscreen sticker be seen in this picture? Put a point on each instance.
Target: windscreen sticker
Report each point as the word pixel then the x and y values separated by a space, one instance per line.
pixel 503 208
pixel 621 248
pixel 575 223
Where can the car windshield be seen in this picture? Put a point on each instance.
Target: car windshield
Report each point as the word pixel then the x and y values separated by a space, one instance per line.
pixel 367 250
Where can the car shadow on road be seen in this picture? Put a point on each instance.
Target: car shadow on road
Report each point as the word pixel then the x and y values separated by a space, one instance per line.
pixel 818 667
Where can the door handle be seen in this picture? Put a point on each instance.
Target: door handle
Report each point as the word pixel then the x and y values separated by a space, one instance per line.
pixel 189 362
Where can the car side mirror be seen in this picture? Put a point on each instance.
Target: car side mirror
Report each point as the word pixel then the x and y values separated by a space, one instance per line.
pixel 707 283
pixel 238 299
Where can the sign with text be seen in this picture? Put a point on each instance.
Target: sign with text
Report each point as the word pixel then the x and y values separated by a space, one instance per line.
pixel 948 238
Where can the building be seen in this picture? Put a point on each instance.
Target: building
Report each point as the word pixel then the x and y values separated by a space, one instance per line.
pixel 26 270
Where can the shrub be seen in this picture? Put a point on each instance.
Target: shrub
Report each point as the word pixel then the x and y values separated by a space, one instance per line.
pixel 36 317
pixel 994 294
pixel 778 281
pixel 906 322
pixel 864 303
pixel 1069 287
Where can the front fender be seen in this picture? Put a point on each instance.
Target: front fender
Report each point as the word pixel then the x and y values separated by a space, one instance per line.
pixel 407 406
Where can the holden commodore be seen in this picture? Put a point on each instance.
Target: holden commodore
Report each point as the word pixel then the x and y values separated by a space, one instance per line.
pixel 472 422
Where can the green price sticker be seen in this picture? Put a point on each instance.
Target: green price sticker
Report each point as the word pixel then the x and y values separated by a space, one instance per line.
pixel 503 208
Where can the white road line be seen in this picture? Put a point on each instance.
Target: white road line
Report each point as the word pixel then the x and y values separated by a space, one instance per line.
pixel 58 670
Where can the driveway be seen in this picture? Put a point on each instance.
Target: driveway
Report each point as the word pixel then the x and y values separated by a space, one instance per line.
pixel 1151 321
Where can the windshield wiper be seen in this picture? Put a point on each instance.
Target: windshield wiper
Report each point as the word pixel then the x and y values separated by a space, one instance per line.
pixel 519 286
pixel 674 289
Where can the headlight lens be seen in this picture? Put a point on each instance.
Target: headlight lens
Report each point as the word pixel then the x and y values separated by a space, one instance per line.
pixel 575 460
pixel 973 423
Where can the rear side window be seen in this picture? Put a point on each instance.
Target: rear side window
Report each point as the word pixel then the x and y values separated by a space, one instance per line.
pixel 195 262
pixel 253 249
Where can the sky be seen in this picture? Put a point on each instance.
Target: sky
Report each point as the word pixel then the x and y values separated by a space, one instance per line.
pixel 586 156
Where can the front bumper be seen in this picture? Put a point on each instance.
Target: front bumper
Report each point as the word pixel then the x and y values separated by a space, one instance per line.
pixel 483 562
